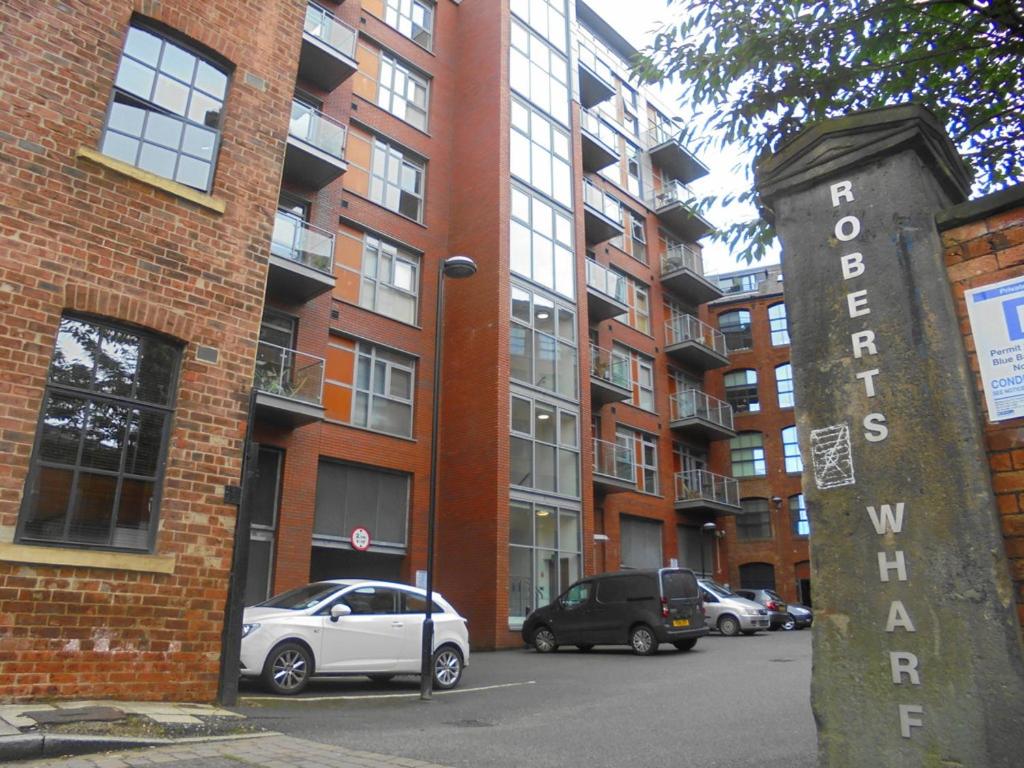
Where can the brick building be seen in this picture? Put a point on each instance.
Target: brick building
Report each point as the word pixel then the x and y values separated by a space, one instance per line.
pixel 766 545
pixel 194 208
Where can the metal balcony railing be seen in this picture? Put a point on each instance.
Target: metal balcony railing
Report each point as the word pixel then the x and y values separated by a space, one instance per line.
pixel 659 134
pixel 688 328
pixel 681 256
pixel 301 242
pixel 602 202
pixel 701 485
pixel 600 130
pixel 606 281
pixel 614 461
pixel 671 192
pixel 330 30
pixel 317 129
pixel 692 403
pixel 289 373
pixel 590 60
pixel 610 366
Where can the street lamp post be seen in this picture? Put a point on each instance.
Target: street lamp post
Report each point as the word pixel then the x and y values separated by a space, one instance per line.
pixel 455 267
pixel 710 529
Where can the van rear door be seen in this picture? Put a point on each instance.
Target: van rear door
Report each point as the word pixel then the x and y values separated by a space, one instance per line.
pixel 682 596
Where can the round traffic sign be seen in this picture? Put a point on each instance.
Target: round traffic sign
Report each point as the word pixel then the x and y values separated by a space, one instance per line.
pixel 360 539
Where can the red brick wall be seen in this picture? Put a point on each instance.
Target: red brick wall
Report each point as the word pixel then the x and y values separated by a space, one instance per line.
pixel 986 245
pixel 784 550
pixel 77 236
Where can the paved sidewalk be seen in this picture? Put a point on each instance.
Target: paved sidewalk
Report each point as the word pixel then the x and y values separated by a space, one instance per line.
pixel 265 751
pixel 15 717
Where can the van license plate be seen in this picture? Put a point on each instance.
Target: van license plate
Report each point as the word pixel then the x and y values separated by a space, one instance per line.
pixel 680 622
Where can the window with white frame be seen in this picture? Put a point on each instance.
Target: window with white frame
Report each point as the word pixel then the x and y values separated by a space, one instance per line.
pixel 634 179
pixel 543 343
pixel 390 282
pixel 741 390
pixel 413 18
pixel 791 450
pixel 541 236
pixel 777 325
pixel 165 113
pixel 402 91
pixel 539 72
pixel 639 303
pixel 539 153
pixel 784 385
pixel 747 453
pixel 638 237
pixel 546 17
pixel 396 180
pixel 545 447
pixel 384 386
pixel 645 454
pixel 544 555
pixel 644 393
pixel 798 514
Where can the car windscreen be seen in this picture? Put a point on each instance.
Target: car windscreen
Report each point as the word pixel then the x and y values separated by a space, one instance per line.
pixel 717 589
pixel 679 584
pixel 301 598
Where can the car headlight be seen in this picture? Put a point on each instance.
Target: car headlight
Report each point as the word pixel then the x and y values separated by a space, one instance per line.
pixel 248 629
pixel 746 611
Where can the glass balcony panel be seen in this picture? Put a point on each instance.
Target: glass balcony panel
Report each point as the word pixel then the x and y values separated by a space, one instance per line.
pixel 328 29
pixel 671 192
pixel 301 242
pixel 314 127
pixel 606 281
pixel 289 373
pixel 692 403
pixel 680 256
pixel 610 366
pixel 614 460
pixel 600 201
pixel 683 328
pixel 599 129
pixel 699 484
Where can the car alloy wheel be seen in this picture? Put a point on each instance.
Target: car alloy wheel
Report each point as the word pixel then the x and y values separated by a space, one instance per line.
pixel 287 669
pixel 789 623
pixel 544 640
pixel 447 667
pixel 728 626
pixel 642 640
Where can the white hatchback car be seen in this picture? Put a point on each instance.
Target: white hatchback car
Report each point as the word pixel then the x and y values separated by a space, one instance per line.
pixel 350 627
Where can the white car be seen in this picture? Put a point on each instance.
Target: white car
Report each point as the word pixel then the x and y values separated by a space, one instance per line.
pixel 350 627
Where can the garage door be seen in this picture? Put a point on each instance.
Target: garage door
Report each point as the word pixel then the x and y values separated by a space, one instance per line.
pixel 641 543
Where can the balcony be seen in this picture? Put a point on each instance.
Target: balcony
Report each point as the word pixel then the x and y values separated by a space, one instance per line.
pixel 597 81
pixel 606 293
pixel 315 153
pixel 668 153
pixel 698 490
pixel 614 467
pixel 289 386
pixel 673 206
pixel 610 380
pixel 602 214
pixel 328 56
pixel 682 273
pixel 693 412
pixel 301 260
pixel 695 343
pixel 600 142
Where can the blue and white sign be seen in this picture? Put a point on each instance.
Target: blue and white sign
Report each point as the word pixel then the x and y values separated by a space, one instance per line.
pixel 996 313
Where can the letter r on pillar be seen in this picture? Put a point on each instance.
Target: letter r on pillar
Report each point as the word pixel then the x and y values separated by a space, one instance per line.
pixel 841 192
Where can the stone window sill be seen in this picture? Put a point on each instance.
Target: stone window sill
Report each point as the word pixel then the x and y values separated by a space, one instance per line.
pixel 115 561
pixel 215 204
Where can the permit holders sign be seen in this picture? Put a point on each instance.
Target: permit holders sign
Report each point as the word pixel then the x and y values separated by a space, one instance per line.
pixel 996 313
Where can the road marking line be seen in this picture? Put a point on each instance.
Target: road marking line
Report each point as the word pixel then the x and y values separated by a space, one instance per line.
pixel 358 697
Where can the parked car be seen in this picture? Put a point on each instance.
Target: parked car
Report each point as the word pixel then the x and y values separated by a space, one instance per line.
pixel 641 609
pixel 775 605
pixel 350 627
pixel 729 613
pixel 800 616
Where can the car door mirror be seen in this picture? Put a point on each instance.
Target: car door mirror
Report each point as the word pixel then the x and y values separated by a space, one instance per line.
pixel 338 610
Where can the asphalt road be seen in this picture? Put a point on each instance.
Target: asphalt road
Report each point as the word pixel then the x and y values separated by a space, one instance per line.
pixel 734 702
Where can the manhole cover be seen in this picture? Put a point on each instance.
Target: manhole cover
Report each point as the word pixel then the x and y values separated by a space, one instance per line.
pixel 471 724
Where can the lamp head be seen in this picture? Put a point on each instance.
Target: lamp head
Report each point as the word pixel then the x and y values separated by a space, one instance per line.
pixel 709 527
pixel 458 267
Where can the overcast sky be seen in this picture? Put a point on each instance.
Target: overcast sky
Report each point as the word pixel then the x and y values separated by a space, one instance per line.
pixel 636 20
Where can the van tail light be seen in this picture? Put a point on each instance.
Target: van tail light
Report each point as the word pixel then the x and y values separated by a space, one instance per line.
pixel 664 607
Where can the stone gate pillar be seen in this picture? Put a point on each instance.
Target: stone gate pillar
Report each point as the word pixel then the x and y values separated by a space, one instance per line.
pixel 917 651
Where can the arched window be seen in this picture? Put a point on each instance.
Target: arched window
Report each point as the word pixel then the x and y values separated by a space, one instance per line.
pixel 798 514
pixel 784 385
pixel 757 576
pixel 791 450
pixel 735 326
pixel 777 324
pixel 747 452
pixel 741 390
pixel 755 522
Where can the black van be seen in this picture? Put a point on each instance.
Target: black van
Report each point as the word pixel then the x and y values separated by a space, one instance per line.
pixel 641 609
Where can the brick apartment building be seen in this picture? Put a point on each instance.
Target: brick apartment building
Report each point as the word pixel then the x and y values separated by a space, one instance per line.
pixel 193 208
pixel 766 545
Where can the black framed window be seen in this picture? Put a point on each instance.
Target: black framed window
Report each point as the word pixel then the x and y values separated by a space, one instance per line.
pixel 755 522
pixel 736 328
pixel 747 451
pixel 741 390
pixel 165 113
pixel 101 445
pixel 798 514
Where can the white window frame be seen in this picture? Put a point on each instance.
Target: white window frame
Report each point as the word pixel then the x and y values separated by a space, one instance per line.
pixel 396 99
pixel 400 15
pixel 370 352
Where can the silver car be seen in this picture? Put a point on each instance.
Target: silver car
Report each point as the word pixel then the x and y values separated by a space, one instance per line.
pixel 729 613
